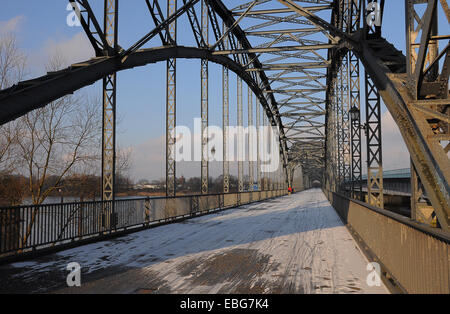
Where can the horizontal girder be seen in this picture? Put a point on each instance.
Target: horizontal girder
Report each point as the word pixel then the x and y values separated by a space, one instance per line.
pixel 29 95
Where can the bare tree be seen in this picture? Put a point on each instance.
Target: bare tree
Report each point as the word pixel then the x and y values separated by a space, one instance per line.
pixel 12 61
pixel 8 140
pixel 48 144
pixel 12 70
pixel 56 139
pixel 123 164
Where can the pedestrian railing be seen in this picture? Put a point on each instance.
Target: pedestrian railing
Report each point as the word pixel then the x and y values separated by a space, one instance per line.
pixel 30 228
pixel 413 255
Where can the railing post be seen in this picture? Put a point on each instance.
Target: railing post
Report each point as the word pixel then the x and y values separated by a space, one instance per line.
pixel 9 230
pixel 80 221
pixel 147 210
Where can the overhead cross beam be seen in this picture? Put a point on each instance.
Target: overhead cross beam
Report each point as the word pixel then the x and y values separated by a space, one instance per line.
pixel 333 32
pixel 157 30
pixel 91 27
pixel 158 17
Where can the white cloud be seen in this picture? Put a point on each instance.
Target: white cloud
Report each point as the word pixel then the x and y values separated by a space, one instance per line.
pixel 74 49
pixel 12 25
pixel 69 50
pixel 395 153
pixel 149 162
pixel 148 159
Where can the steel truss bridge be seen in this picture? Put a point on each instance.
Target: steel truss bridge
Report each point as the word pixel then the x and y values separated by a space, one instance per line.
pixel 313 67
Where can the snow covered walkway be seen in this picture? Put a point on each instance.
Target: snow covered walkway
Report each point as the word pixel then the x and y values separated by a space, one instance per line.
pixel 292 244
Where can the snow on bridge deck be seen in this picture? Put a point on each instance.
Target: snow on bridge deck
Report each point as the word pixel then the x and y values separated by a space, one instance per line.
pixel 293 244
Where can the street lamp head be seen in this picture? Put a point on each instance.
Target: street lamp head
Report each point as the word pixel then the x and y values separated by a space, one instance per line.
pixel 354 113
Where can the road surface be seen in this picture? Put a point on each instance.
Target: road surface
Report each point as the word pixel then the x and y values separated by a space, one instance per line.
pixel 292 244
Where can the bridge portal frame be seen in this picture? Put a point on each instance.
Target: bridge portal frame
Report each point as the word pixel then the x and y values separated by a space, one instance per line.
pixel 411 112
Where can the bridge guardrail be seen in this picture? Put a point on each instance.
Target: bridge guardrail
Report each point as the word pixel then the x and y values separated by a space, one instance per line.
pixel 416 256
pixel 31 228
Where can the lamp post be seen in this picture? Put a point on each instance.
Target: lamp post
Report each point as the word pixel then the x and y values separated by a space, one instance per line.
pixel 354 113
pixel 354 116
pixel 61 196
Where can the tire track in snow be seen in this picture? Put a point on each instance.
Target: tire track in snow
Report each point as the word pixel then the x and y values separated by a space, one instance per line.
pixel 294 244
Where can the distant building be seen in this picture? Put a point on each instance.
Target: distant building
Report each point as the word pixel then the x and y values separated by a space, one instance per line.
pixel 147 187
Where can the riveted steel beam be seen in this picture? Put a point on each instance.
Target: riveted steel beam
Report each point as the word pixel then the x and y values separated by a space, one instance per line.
pixel 225 121
pixel 92 28
pixel 171 104
pixel 204 102
pixel 109 117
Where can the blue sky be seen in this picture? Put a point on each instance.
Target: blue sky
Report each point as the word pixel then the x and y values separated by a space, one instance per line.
pixel 41 29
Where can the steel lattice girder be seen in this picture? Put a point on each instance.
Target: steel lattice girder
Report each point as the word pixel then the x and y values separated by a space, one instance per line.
pixel 299 118
pixel 171 104
pixel 434 169
pixel 225 121
pixel 204 106
pixel 111 13
pixel 91 26
pixel 409 113
pixel 270 107
pixel 272 111
pixel 382 62
pixel 50 87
